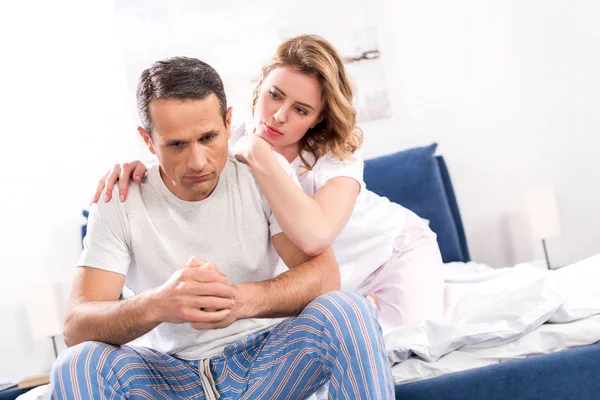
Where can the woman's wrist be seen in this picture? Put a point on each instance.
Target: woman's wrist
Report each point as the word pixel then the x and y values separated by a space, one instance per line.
pixel 258 153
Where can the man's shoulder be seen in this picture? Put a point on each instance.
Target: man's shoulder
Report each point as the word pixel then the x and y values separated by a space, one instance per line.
pixel 239 172
pixel 112 206
pixel 117 208
pixel 243 183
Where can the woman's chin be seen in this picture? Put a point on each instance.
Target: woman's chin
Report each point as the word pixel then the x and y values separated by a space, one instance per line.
pixel 266 137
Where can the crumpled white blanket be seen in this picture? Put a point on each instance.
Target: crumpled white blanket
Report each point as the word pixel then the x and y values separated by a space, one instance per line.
pixel 488 307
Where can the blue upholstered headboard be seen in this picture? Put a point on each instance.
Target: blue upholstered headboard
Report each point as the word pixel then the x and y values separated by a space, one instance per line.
pixel 419 181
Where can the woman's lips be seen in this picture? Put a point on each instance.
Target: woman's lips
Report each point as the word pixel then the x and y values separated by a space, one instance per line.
pixel 272 131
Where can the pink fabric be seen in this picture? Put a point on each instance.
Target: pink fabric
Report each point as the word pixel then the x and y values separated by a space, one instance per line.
pixel 410 286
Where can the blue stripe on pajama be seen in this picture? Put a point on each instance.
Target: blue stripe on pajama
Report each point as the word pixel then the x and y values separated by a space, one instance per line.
pixel 336 338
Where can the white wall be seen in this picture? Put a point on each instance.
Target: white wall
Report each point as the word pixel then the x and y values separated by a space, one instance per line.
pixel 509 90
pixel 65 116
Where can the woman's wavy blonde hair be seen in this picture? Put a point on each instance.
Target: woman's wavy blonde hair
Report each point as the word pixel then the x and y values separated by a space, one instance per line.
pixel 337 131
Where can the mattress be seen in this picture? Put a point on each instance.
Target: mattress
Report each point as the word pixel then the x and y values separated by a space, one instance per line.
pixel 564 375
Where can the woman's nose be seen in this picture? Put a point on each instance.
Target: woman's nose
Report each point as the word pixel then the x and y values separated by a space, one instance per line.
pixel 280 115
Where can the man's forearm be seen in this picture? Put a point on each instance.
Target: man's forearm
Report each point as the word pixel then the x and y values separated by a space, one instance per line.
pixel 116 322
pixel 289 293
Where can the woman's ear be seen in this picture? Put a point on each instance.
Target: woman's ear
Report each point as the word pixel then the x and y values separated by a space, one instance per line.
pixel 260 82
pixel 317 123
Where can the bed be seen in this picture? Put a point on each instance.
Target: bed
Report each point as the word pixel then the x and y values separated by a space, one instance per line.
pixel 512 333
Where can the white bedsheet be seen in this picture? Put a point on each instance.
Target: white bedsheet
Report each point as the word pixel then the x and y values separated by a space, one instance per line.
pixel 496 315
pixel 548 338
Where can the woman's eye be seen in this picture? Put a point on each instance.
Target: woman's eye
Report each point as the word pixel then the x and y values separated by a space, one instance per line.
pixel 274 95
pixel 301 111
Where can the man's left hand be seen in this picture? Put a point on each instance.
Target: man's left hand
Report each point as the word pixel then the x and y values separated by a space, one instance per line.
pixel 235 314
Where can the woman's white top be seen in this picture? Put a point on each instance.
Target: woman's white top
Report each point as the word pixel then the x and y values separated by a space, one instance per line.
pixel 367 240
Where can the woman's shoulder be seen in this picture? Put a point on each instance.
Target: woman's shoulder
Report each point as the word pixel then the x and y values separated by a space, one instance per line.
pixel 330 159
pixel 329 166
pixel 237 131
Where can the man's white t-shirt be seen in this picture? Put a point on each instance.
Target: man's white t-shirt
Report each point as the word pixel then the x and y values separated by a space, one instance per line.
pixel 367 240
pixel 153 233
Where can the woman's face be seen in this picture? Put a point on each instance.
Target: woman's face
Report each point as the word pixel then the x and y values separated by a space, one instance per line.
pixel 289 104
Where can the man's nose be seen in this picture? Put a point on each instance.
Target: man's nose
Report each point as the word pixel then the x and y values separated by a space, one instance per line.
pixel 197 158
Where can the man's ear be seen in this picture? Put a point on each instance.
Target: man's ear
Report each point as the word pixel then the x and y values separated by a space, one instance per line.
pixel 228 121
pixel 147 139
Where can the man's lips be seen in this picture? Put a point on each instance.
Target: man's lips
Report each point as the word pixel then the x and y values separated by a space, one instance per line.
pixel 198 178
pixel 272 131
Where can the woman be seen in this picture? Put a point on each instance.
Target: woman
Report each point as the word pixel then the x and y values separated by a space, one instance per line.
pixel 302 109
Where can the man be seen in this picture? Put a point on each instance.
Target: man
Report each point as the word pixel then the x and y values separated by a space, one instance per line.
pixel 209 321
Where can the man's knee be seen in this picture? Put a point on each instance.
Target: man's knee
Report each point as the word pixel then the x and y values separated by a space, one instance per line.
pixel 78 357
pixel 346 306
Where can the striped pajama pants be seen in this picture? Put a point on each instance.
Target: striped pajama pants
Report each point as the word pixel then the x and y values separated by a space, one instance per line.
pixel 335 339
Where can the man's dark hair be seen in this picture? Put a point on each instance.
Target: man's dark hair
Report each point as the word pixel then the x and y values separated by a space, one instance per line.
pixel 178 78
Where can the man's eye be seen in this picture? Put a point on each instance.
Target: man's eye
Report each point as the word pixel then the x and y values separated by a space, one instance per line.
pixel 176 145
pixel 207 138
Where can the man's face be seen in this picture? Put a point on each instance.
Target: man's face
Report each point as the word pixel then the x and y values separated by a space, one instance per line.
pixel 190 141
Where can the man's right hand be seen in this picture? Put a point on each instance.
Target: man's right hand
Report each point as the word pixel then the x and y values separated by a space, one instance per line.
pixel 196 292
